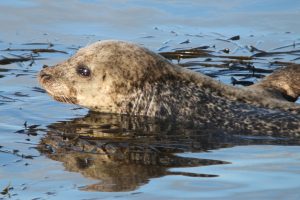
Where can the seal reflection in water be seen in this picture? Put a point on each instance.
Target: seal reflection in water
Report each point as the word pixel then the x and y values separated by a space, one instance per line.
pixel 124 78
pixel 124 152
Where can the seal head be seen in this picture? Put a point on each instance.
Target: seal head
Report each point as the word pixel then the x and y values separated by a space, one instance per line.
pixel 282 84
pixel 104 75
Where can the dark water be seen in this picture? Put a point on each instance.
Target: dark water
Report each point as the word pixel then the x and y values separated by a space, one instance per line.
pixel 64 151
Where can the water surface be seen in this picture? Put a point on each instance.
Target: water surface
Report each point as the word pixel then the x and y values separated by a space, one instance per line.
pixel 140 159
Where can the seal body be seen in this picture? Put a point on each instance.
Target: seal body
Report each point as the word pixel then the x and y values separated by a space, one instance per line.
pixel 121 77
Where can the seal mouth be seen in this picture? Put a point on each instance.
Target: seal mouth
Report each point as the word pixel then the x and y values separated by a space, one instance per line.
pixel 64 99
pixel 54 88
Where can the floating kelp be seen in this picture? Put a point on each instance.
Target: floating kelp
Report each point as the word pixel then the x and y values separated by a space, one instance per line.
pixel 49 44
pixel 197 53
pixel 287 46
pixel 189 53
pixel 37 50
pixel 207 56
pixel 234 81
pixel 6 61
pixel 267 54
pixel 237 37
pixel 6 190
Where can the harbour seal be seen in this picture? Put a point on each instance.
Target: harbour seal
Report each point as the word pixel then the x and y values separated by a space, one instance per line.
pixel 121 77
pixel 283 84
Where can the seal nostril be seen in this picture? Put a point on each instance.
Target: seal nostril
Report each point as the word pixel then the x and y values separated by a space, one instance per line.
pixel 44 75
pixel 45 66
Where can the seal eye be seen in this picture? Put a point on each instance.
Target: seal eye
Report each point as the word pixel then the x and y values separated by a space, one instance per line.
pixel 83 71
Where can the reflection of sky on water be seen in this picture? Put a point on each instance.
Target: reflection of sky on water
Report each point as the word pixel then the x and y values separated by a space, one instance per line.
pixel 121 19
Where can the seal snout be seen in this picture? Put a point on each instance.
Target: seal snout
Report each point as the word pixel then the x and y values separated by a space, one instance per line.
pixel 44 76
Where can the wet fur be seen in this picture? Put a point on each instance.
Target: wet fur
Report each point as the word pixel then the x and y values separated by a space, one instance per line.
pixel 283 84
pixel 129 79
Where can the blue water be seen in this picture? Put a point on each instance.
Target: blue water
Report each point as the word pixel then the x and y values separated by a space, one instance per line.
pixel 254 171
